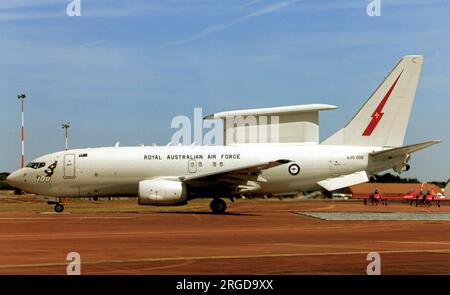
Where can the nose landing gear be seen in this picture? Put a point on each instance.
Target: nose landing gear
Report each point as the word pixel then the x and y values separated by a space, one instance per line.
pixel 218 206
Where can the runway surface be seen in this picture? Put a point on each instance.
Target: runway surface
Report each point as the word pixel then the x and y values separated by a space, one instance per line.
pixel 255 237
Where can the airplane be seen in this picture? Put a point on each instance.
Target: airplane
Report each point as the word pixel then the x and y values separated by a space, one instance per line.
pixel 438 198
pixel 375 198
pixel 430 197
pixel 425 198
pixel 417 196
pixel 371 142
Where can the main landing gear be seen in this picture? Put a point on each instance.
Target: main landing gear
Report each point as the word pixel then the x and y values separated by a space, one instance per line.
pixel 218 206
pixel 59 208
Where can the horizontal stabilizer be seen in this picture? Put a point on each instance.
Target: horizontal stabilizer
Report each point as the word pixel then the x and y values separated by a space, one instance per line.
pixel 332 184
pixel 402 151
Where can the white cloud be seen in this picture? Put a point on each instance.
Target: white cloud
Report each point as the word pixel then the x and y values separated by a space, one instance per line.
pixel 221 27
pixel 270 9
pixel 29 16
pixel 19 10
pixel 250 3
pixel 92 44
pixel 16 4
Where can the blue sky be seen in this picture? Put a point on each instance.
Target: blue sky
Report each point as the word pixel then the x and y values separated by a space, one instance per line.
pixel 123 69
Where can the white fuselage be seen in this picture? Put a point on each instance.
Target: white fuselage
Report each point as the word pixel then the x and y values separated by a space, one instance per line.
pixel 117 171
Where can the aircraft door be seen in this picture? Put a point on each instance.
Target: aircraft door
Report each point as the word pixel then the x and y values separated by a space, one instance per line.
pixel 192 166
pixel 69 166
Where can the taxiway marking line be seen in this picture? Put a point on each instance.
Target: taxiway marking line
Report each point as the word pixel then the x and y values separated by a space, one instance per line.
pixel 137 271
pixel 324 208
pixel 187 232
pixel 219 257
pixel 65 218
pixel 416 242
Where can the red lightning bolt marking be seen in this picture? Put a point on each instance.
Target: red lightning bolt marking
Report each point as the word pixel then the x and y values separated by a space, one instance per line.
pixel 377 115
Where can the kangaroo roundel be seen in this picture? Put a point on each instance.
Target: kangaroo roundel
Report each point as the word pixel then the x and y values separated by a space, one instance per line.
pixel 294 169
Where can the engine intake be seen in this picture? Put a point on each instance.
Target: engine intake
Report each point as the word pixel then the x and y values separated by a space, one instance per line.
pixel 162 191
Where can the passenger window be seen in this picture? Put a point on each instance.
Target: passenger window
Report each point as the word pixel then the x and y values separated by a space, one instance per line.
pixel 199 164
pixel 214 164
pixel 221 164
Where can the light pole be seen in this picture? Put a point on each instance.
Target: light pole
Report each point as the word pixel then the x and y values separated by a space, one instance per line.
pixel 22 97
pixel 66 127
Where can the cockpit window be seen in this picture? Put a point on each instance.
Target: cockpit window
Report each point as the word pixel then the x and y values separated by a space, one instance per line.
pixel 36 165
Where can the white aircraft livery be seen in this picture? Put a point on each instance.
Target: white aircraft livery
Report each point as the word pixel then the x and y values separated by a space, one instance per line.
pixel 172 175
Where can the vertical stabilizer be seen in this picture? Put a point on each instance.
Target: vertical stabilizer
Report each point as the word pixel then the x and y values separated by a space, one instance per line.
pixel 383 119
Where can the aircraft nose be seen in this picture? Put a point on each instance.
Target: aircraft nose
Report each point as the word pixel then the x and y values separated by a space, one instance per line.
pixel 15 179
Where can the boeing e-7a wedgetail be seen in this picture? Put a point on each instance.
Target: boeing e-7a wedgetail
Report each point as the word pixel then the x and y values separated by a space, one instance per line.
pixel 172 175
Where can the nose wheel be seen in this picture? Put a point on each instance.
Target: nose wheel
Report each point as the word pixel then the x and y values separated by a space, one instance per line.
pixel 59 208
pixel 218 206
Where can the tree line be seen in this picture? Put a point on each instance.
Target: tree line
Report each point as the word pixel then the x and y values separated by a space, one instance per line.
pixel 392 178
pixel 3 184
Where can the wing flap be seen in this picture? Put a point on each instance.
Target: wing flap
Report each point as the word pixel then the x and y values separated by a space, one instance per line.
pixel 332 184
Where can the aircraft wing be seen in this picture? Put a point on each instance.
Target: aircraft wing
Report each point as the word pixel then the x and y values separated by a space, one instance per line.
pixel 441 198
pixel 235 180
pixel 402 151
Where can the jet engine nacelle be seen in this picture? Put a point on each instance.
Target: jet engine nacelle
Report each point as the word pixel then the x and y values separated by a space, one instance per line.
pixel 401 168
pixel 404 166
pixel 162 191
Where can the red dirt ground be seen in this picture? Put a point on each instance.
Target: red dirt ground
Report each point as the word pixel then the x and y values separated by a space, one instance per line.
pixel 255 237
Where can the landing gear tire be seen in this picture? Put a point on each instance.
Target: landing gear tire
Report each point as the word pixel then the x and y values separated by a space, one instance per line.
pixel 59 208
pixel 218 206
